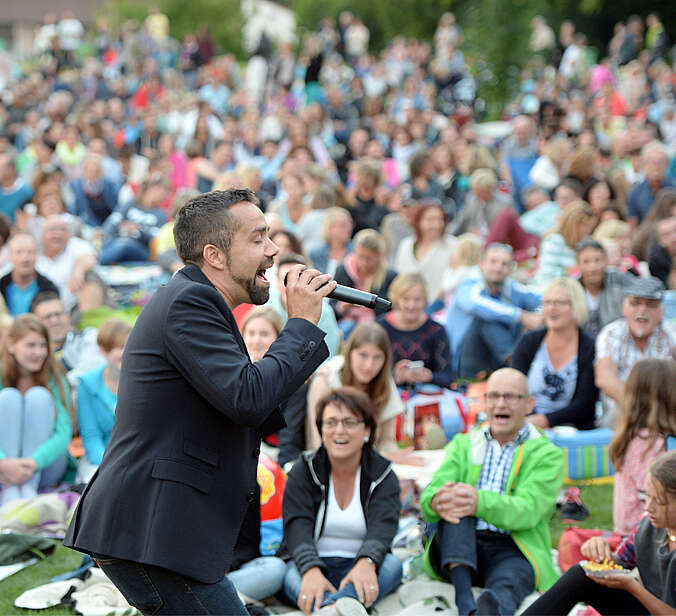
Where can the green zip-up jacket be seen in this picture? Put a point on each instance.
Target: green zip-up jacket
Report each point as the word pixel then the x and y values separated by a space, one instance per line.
pixel 524 510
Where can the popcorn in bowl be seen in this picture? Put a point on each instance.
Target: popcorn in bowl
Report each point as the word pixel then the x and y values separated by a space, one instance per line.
pixel 603 568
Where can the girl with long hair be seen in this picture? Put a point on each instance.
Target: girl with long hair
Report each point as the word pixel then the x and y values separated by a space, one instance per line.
pixel 650 548
pixel 647 417
pixel 366 363
pixel 35 412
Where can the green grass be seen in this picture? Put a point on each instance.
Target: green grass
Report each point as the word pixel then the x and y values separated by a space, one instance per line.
pixel 599 500
pixel 40 573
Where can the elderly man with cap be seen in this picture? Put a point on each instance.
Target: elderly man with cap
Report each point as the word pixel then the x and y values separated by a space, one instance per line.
pixel 640 334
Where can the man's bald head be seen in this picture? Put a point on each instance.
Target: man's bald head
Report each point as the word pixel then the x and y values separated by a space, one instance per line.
pixel 514 376
pixel 508 401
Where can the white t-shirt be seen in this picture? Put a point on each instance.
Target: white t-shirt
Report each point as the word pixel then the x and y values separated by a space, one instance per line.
pixel 344 529
pixel 60 269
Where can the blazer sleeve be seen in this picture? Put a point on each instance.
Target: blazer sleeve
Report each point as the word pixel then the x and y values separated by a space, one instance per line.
pixel 582 408
pixel 201 344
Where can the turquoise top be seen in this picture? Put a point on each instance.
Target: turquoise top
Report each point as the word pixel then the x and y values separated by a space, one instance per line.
pixel 95 413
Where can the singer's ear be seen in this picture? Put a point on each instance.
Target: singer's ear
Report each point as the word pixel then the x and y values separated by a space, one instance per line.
pixel 214 257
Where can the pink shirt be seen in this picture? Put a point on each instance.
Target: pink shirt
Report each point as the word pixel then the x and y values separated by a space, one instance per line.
pixel 629 491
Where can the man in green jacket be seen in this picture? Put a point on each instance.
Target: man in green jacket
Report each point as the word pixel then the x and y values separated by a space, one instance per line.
pixel 492 498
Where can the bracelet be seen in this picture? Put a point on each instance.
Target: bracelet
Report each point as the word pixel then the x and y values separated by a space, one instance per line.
pixel 368 559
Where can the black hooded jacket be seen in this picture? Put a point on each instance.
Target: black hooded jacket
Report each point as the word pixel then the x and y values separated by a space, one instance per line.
pixel 306 499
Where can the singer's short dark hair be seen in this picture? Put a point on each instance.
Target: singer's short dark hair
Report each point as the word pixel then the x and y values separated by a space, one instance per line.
pixel 206 219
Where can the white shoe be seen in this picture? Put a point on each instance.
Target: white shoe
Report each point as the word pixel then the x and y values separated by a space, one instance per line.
pixel 347 606
pixel 419 590
pixel 436 606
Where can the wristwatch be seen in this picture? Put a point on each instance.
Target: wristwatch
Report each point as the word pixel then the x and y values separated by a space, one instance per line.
pixel 368 559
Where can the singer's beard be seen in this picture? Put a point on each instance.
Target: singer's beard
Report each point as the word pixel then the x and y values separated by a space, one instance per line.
pixel 257 295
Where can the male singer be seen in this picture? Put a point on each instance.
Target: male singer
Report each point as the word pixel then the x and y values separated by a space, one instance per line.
pixel 164 510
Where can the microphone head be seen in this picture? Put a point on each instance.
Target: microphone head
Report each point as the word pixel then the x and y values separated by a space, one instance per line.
pixel 383 304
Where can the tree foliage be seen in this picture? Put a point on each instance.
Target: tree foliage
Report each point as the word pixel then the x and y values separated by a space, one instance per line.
pixel 497 32
pixel 385 20
pixel 223 18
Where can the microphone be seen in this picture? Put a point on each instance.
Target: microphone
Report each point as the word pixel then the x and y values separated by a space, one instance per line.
pixel 354 296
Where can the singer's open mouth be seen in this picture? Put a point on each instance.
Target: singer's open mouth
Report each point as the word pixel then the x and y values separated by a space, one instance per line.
pixel 261 275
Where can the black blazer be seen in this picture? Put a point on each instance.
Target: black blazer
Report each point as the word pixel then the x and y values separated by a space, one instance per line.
pixel 581 412
pixel 179 472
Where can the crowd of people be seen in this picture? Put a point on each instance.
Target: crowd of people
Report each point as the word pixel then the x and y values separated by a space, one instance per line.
pixel 538 253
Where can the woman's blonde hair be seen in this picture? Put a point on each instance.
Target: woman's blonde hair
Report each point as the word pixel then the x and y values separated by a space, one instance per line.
pixel 51 369
pixel 378 389
pixel 369 168
pixel 113 333
pixel 557 150
pixel 263 312
pixel 227 181
pixel 583 164
pixel 575 294
pixel 649 402
pixel 483 178
pixel 330 216
pixel 576 213
pixel 479 157
pixel 374 241
pixel 467 250
pixel 611 230
pixel 402 283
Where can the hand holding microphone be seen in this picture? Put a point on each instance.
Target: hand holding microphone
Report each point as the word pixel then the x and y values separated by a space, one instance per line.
pixel 329 288
pixel 305 290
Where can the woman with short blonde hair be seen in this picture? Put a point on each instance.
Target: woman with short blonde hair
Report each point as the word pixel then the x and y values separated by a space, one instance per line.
pixel 559 360
pixel 557 250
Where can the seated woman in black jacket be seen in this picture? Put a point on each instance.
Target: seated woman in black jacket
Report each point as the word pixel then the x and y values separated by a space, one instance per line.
pixel 559 360
pixel 341 512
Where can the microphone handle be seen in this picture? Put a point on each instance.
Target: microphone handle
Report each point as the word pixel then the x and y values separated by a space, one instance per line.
pixel 361 298
pixel 354 296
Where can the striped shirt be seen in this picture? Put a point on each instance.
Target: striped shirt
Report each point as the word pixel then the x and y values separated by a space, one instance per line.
pixel 496 467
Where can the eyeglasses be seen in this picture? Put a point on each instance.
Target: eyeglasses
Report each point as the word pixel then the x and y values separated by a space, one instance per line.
pixel 349 423
pixel 510 397
pixel 558 303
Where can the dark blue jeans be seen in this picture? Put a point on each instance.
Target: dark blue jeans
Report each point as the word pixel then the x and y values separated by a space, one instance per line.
pixel 389 578
pixel 153 590
pixel 497 564
pixel 486 346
